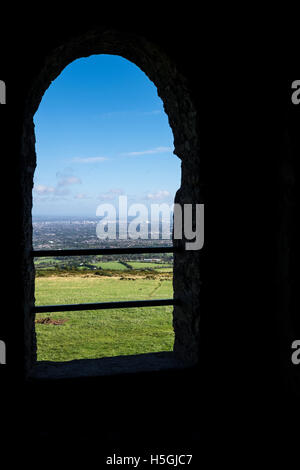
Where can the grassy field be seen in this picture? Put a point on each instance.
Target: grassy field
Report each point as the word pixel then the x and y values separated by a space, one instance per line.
pixel 92 334
pixel 156 266
pixel 52 264
pixel 110 265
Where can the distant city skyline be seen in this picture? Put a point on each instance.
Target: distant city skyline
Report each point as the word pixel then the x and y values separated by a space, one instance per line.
pixel 101 132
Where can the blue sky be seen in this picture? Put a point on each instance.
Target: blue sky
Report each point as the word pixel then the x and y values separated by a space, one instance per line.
pixel 101 131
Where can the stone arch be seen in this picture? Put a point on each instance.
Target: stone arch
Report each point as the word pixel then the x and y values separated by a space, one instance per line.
pixel 173 89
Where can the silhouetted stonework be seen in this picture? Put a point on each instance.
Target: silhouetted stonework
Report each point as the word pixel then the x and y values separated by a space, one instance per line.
pixel 174 91
pixel 249 128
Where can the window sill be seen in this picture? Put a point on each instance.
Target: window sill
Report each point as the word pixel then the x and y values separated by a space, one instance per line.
pixel 107 366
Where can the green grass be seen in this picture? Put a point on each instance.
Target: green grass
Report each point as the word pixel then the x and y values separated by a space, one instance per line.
pixel 110 265
pixel 52 264
pixel 145 265
pixel 94 334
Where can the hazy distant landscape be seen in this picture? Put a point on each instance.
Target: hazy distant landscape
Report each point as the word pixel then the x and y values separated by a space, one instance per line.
pixel 80 232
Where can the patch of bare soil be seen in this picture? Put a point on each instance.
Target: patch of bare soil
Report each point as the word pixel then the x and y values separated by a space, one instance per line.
pixel 51 321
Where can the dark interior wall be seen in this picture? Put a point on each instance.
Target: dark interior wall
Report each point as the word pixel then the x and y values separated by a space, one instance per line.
pixel 147 401
pixel 249 146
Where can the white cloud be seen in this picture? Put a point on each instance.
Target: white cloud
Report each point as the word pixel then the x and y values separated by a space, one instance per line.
pixel 117 191
pixel 150 113
pixel 159 195
pixel 149 152
pixel 43 189
pixel 43 192
pixel 111 194
pixel 69 180
pixel 81 196
pixel 89 159
pixel 65 174
pixel 129 113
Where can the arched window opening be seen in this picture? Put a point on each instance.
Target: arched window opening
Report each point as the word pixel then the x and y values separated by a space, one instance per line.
pixel 106 178
pixel 189 282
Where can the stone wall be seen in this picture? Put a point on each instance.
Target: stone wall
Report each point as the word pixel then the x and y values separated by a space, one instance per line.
pixel 228 93
pixel 173 89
